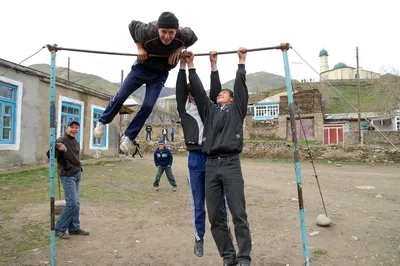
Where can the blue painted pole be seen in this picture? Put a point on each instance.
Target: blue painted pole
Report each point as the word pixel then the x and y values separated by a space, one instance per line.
pixel 52 154
pixel 296 155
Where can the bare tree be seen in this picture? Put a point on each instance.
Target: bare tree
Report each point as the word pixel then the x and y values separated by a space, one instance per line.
pixel 387 91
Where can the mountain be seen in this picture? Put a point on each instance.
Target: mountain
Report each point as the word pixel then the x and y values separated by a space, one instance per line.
pixel 88 80
pixel 260 81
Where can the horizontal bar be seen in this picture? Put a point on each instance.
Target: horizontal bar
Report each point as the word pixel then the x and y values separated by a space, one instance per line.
pixel 283 46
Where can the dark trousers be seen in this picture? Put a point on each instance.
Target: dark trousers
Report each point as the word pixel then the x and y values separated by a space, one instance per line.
pixel 139 75
pixel 165 137
pixel 169 174
pixel 172 137
pixel 224 174
pixel 196 179
pixel 137 151
pixel 148 135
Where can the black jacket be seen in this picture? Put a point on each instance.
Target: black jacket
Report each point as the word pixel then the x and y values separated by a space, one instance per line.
pixel 191 121
pixel 149 128
pixel 223 127
pixel 147 35
pixel 68 162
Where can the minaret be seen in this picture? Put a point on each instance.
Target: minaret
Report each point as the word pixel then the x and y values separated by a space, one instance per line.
pixel 323 55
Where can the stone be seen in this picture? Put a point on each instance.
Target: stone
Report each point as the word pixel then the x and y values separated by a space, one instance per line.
pixel 354 238
pixel 314 233
pixel 59 206
pixel 109 165
pixel 365 187
pixel 379 196
pixel 323 220
pixel 338 165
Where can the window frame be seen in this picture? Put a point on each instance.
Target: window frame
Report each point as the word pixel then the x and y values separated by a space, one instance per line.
pixel 16 113
pixel 67 100
pixel 95 108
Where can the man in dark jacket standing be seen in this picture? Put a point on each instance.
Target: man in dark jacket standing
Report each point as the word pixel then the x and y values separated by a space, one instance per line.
pixel 148 131
pixel 70 172
pixel 163 161
pixel 222 143
pixel 164 38
pixel 193 129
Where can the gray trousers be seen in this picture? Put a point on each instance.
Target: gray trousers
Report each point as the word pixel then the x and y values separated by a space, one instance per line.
pixel 224 174
pixel 169 174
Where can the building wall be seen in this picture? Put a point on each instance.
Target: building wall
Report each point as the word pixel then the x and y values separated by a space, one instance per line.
pixel 349 73
pixel 35 121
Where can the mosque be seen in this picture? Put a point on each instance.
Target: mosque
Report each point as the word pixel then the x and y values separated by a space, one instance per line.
pixel 341 71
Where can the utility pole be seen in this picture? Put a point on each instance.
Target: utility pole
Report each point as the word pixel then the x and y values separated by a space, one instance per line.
pixel 68 68
pixel 359 102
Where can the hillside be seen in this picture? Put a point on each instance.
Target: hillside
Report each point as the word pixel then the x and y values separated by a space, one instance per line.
pixel 332 100
pixel 88 80
pixel 260 81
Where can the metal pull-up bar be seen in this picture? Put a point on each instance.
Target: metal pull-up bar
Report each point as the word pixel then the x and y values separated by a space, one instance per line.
pixel 284 47
pixel 55 48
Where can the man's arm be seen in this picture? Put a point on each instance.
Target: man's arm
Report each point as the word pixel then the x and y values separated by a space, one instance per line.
pixel 142 32
pixel 181 89
pixel 240 87
pixel 155 159
pixel 188 36
pixel 215 87
pixel 171 158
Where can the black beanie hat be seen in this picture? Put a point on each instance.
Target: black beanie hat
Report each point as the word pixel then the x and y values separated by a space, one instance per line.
pixel 168 20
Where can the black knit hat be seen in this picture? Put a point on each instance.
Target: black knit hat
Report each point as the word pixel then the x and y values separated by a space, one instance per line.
pixel 168 20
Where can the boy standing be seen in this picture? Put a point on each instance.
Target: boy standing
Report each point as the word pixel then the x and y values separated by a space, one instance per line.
pixel 163 160
pixel 222 143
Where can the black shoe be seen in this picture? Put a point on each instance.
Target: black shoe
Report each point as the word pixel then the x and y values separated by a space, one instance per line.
pixel 79 232
pixel 198 247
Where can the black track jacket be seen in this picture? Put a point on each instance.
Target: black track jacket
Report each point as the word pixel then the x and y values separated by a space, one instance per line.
pixel 223 127
pixel 192 123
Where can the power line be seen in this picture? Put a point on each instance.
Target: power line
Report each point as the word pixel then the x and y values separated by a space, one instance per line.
pixel 8 70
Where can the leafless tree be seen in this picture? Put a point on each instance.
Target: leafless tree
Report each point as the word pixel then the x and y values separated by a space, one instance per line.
pixel 387 91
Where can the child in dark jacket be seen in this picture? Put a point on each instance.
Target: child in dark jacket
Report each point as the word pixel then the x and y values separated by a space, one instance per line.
pixel 163 160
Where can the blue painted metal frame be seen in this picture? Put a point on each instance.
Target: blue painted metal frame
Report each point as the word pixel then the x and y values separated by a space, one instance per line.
pixel 103 140
pixel 13 104
pixel 296 156
pixel 52 155
pixel 69 116
pixel 255 117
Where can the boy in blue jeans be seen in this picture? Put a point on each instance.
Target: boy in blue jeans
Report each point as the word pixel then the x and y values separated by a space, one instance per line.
pixel 163 160
pixel 164 38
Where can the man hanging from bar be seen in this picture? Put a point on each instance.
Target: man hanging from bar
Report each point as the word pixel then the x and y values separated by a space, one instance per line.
pixel 164 38
pixel 193 128
pixel 222 144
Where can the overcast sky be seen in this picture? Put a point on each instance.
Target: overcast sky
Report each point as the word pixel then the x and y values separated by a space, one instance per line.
pixel 338 26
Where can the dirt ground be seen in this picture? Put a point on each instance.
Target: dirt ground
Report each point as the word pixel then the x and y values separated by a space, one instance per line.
pixel 130 224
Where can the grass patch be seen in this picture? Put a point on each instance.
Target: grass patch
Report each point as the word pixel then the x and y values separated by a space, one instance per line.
pixel 320 252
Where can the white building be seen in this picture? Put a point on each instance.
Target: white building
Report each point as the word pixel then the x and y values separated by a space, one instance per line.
pixel 341 71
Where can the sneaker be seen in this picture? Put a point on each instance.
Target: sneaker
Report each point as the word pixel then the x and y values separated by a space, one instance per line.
pixel 62 235
pixel 79 232
pixel 173 189
pixel 198 247
pixel 125 145
pixel 155 188
pixel 99 130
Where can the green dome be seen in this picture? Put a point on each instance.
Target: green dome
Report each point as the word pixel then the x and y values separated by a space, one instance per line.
pixel 323 52
pixel 340 65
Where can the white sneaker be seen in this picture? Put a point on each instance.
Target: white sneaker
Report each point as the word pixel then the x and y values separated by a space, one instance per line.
pixel 99 130
pixel 173 189
pixel 155 188
pixel 125 145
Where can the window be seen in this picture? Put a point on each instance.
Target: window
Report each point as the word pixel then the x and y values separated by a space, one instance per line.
pixel 7 113
pixel 273 110
pixel 98 143
pixel 68 110
pixel 261 110
pixel 267 110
